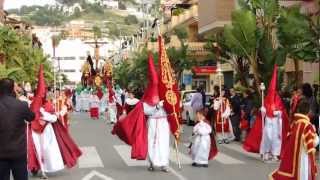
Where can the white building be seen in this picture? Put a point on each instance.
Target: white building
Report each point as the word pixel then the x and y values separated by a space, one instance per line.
pixel 112 4
pixel 72 53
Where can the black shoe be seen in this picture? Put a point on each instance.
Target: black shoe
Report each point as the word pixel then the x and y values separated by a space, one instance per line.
pixel 226 141
pixel 194 164
pixel 34 173
pixel 205 165
pixel 151 168
pixel 164 169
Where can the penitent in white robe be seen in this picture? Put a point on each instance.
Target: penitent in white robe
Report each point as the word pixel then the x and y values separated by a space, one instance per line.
pixel 85 101
pixel 112 111
pixel 78 102
pixel 200 148
pixel 226 135
pixel 271 134
pixel 48 152
pixel 158 136
pixel 304 162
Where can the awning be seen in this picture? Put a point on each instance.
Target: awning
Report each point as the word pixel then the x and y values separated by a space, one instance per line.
pixel 204 70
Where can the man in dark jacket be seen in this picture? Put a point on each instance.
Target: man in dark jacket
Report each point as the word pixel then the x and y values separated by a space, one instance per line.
pixel 236 113
pixel 13 144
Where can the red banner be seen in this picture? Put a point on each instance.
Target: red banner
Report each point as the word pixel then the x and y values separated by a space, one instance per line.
pixel 168 90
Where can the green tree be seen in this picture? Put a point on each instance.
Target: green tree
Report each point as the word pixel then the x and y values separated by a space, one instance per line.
pixel 300 36
pixel 252 37
pixel 21 60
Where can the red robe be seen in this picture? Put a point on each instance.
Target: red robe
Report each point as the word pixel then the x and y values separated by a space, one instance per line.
pixel 254 138
pixel 218 120
pixel 132 129
pixel 302 134
pixel 70 152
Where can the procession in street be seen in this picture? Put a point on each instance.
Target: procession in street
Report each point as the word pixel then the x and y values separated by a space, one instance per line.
pixel 154 111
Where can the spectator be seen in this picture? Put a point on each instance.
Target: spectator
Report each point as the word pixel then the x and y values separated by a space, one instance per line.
pixel 203 93
pixel 235 113
pixel 313 114
pixel 248 106
pixel 13 151
pixel 196 101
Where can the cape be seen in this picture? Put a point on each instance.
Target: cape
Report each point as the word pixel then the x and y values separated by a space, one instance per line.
pixel 253 141
pixel 302 134
pixel 132 129
pixel 213 147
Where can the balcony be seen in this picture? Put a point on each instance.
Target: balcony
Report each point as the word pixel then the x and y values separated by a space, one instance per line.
pixel 195 49
pixel 189 15
pixel 214 14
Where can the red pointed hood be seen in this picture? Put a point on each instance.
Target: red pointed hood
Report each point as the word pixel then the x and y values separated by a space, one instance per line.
pixel 151 93
pixel 272 100
pixel 41 88
pixel 38 102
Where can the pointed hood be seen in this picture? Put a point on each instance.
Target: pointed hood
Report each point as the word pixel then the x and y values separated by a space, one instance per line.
pixel 151 93
pixel 38 102
pixel 41 87
pixel 272 100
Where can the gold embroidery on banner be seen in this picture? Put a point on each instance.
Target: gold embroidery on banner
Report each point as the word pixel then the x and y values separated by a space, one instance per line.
pixel 167 74
pixel 171 97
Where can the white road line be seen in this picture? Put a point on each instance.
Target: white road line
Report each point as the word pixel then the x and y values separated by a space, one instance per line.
pixel 239 149
pixel 94 174
pixel 178 175
pixel 90 158
pixel 125 153
pixel 184 159
pixel 225 159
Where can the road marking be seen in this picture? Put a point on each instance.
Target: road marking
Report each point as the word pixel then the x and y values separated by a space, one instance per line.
pixel 225 159
pixel 94 174
pixel 184 159
pixel 90 158
pixel 178 175
pixel 239 149
pixel 125 153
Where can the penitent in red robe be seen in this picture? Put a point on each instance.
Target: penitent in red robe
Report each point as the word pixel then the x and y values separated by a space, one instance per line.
pixel 302 136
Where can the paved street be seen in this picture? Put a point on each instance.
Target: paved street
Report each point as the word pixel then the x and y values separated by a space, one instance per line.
pixel 107 158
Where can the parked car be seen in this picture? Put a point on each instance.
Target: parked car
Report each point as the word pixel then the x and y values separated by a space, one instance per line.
pixel 188 116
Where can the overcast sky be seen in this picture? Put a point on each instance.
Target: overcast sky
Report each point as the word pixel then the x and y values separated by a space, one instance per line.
pixel 9 4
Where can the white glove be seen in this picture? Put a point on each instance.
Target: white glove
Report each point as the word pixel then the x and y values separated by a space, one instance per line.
pixel 42 110
pixel 161 103
pixel 263 109
pixel 277 113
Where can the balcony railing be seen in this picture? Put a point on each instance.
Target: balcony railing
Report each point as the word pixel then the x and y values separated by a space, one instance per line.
pixel 194 48
pixel 180 19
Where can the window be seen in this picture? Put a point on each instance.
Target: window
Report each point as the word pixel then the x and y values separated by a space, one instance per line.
pixel 68 70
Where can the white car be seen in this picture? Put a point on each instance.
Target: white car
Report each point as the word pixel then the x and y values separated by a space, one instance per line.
pixel 188 115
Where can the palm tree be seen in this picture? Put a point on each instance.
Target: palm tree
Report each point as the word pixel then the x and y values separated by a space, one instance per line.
pixel 21 61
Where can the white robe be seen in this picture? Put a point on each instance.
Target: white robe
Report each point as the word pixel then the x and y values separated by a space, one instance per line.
pixel 271 134
pixel 85 101
pixel 112 111
pixel 226 117
pixel 200 148
pixel 47 147
pixel 158 136
pixel 78 102
pixel 304 160
pixel 103 104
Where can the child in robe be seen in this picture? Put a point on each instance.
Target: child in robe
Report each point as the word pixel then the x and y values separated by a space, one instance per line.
pixel 202 148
